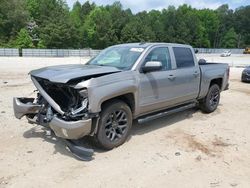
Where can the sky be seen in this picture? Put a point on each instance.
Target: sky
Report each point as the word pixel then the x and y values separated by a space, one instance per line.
pixel 140 5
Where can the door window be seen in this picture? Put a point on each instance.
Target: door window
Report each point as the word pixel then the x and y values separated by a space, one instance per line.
pixel 160 54
pixel 184 57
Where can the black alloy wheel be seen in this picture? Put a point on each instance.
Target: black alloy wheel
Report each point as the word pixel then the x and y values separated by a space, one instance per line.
pixel 114 124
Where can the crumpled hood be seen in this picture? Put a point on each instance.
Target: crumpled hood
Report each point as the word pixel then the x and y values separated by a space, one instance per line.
pixel 65 73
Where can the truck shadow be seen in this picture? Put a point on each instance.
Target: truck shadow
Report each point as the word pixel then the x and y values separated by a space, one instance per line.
pixel 144 128
pixel 41 132
pixel 137 129
pixel 169 120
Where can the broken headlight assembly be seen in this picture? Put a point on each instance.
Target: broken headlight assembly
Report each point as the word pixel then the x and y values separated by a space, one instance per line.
pixel 81 111
pixel 83 107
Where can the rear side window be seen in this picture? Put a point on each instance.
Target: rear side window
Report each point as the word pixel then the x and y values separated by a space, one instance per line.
pixel 184 57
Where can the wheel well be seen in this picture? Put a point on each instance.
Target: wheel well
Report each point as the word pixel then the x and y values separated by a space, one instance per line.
pixel 217 81
pixel 127 98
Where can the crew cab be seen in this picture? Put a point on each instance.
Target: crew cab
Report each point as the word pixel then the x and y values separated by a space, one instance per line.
pixel 124 82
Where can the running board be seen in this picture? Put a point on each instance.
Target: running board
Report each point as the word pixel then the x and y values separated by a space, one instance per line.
pixel 167 112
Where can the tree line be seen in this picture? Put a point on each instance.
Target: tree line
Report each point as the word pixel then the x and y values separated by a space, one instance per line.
pixel 52 24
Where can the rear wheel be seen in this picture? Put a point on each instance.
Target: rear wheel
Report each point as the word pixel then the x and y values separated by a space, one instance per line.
pixel 211 101
pixel 114 125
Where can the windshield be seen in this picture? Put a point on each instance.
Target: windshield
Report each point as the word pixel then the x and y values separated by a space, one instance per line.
pixel 121 57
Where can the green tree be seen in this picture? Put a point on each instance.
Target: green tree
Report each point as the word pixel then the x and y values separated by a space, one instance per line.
pixel 157 26
pixel 87 7
pixel 33 8
pixel 54 26
pixel 98 31
pixel 210 22
pixel 182 25
pixel 51 24
pixel 119 18
pixel 242 25
pixel 41 44
pixel 24 40
pixel 59 33
pixel 230 39
pixel 130 32
pixel 12 19
pixel 75 14
pixel 225 16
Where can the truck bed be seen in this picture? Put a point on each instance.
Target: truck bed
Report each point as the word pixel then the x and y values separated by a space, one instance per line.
pixel 210 71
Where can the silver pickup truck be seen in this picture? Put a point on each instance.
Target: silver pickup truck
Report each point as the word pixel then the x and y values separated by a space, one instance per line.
pixel 140 81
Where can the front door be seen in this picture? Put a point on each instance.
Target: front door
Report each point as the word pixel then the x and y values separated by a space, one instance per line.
pixel 155 87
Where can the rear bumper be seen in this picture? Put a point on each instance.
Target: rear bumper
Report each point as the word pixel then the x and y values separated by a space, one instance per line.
pixel 62 128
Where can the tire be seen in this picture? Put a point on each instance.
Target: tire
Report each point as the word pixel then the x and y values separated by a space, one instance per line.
pixel 114 125
pixel 211 101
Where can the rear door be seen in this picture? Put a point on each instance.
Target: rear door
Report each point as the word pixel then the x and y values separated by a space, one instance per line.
pixel 186 75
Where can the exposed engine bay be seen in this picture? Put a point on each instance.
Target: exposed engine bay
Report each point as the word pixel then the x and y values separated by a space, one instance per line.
pixel 73 102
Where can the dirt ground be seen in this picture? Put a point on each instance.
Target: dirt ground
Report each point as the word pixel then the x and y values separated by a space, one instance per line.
pixel 187 149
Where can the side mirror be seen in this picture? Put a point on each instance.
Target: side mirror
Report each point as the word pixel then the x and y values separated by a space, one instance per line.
pixel 202 61
pixel 196 51
pixel 151 66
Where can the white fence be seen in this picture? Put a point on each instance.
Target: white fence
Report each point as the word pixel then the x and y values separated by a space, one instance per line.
pixel 59 53
pixel 9 52
pixel 218 50
pixel 86 52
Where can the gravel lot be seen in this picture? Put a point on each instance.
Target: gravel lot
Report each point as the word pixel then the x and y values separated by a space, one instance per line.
pixel 187 149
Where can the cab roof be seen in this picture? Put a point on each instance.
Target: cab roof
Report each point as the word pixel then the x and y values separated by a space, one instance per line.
pixel 151 44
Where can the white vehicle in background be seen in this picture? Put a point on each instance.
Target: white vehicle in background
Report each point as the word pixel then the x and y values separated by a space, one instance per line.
pixel 226 53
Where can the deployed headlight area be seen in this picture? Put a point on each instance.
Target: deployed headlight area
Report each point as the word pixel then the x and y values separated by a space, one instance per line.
pixel 62 100
pixel 81 111
pixel 83 108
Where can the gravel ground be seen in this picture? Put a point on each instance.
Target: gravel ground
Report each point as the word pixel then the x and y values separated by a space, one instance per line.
pixel 187 149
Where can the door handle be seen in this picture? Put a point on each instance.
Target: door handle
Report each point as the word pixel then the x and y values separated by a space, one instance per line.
pixel 171 77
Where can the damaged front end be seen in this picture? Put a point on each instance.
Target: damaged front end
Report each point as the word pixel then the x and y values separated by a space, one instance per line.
pixel 59 107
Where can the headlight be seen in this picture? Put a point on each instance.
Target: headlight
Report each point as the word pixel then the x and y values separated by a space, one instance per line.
pixel 83 107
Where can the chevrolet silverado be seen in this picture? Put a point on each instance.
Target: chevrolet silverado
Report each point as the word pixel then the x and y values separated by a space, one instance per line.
pixel 124 82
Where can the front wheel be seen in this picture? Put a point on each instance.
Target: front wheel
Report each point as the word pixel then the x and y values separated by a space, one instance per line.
pixel 211 101
pixel 114 125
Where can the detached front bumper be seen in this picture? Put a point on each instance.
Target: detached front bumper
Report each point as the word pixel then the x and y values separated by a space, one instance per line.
pixel 24 106
pixel 61 128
